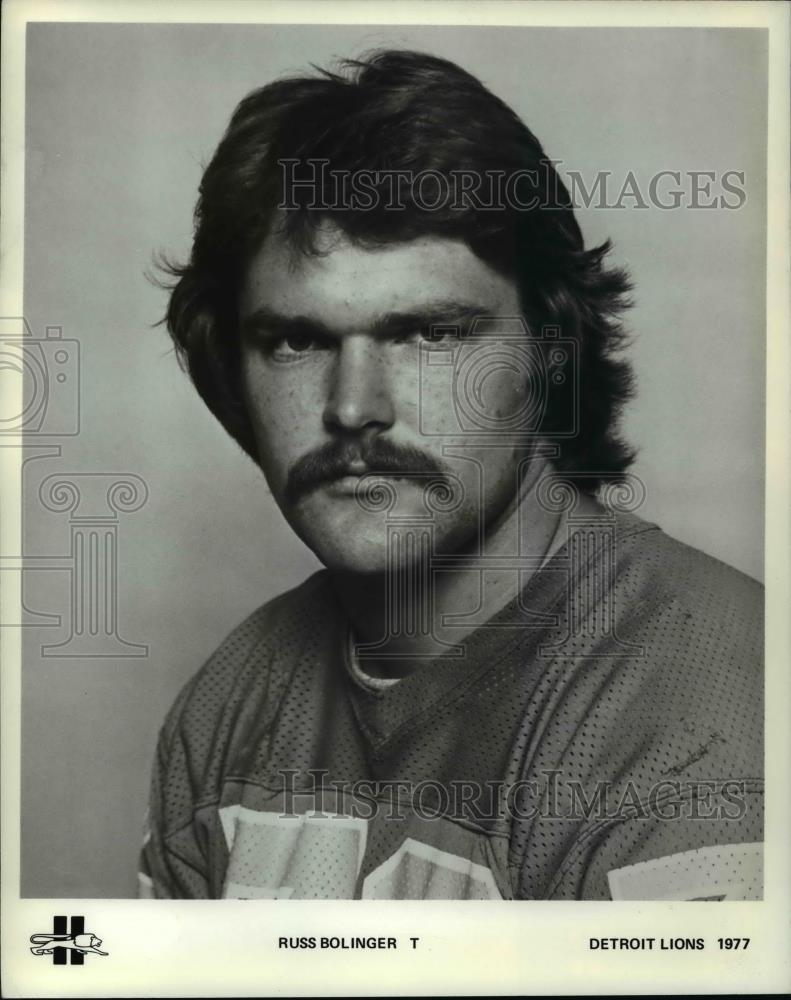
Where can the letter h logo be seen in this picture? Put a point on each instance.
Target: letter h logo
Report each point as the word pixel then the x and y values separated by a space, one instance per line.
pixel 69 928
pixel 68 942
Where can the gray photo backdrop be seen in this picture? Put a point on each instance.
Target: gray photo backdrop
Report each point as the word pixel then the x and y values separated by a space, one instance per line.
pixel 120 120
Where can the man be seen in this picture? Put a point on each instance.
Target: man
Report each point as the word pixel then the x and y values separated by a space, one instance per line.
pixel 505 684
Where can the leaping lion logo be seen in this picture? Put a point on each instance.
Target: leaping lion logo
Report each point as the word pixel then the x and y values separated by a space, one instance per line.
pixel 45 944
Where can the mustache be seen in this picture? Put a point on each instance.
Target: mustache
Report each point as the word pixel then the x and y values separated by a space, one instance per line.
pixel 333 460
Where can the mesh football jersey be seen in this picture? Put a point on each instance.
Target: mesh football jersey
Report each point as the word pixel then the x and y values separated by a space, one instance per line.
pixel 600 737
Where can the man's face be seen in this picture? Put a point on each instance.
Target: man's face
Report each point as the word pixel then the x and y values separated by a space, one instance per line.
pixel 339 383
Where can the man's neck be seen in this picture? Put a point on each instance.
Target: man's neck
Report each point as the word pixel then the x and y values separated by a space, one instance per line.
pixel 527 528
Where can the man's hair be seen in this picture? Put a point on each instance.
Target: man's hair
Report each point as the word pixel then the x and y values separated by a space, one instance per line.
pixel 402 110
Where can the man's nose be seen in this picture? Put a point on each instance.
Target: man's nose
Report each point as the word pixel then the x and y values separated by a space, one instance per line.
pixel 359 393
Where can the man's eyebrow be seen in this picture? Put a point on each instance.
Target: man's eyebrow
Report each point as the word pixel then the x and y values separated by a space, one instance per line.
pixel 445 312
pixel 279 324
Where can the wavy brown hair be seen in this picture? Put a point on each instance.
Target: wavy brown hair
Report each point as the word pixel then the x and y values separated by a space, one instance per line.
pixel 403 110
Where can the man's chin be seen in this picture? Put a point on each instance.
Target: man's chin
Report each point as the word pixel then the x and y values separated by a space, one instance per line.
pixel 348 538
pixel 359 552
pixel 350 555
pixel 355 563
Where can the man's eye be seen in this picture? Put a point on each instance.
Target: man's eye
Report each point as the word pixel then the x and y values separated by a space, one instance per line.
pixel 293 345
pixel 439 334
pixel 298 342
pixel 426 335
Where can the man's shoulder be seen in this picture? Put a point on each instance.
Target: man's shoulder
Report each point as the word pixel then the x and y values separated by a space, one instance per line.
pixel 696 625
pixel 271 634
pixel 701 585
pixel 681 630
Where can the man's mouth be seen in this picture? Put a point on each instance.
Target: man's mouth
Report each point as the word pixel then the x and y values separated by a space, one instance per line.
pixel 342 486
pixel 355 468
pixel 347 480
pixel 338 469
